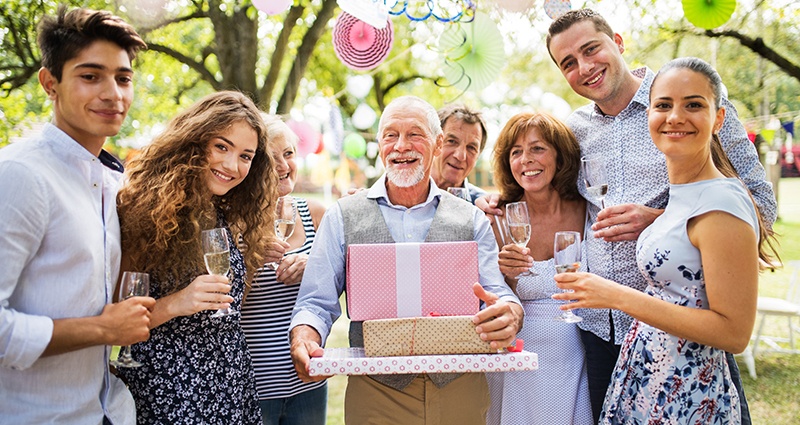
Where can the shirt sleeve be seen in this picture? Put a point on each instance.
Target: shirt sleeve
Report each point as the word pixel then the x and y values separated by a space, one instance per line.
pixel 744 158
pixel 23 221
pixel 324 278
pixel 490 277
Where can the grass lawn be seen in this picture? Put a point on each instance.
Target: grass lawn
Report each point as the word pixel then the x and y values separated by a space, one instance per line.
pixel 774 397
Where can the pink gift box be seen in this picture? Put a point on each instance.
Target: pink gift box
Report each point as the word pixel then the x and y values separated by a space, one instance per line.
pixel 386 281
pixel 352 361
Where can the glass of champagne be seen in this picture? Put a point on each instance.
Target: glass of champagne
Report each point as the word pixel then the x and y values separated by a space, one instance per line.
pixel 133 284
pixel 460 192
pixel 217 256
pixel 595 177
pixel 519 227
pixel 285 219
pixel 567 258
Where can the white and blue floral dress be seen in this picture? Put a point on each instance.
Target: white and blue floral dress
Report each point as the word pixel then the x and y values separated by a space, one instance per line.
pixel 660 378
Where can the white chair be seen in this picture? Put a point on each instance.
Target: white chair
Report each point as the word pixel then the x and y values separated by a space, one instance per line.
pixel 788 307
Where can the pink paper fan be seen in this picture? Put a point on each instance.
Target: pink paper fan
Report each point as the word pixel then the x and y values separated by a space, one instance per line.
pixel 309 138
pixel 359 45
pixel 555 8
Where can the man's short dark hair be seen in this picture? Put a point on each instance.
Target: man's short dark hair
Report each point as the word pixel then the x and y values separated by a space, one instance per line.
pixel 64 36
pixel 567 20
pixel 461 112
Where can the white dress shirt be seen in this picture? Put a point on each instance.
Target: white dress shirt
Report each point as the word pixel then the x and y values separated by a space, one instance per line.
pixel 60 257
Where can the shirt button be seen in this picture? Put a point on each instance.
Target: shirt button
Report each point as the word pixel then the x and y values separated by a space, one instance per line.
pixel 95 184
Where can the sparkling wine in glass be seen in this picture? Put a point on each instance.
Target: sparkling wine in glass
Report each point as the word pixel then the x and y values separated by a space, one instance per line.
pixel 595 177
pixel 133 284
pixel 460 192
pixel 519 227
pixel 285 219
pixel 217 256
pixel 567 258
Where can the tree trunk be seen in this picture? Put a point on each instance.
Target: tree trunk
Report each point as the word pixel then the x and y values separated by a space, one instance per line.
pixel 236 48
pixel 304 55
pixel 281 47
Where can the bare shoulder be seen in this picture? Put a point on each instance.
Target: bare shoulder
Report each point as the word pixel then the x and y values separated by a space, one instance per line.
pixel 317 210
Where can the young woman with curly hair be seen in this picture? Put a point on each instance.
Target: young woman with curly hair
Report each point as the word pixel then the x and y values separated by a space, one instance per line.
pixel 209 168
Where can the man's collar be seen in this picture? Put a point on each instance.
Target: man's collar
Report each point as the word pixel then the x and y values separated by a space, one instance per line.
pixel 378 190
pixel 642 95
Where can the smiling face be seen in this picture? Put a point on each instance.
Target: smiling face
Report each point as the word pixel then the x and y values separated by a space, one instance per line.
pixel 533 162
pixel 460 152
pixel 92 99
pixel 408 147
pixel 592 63
pixel 682 114
pixel 284 152
pixel 230 156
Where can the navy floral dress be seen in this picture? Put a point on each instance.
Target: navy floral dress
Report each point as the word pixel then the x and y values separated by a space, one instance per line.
pixel 196 369
pixel 660 378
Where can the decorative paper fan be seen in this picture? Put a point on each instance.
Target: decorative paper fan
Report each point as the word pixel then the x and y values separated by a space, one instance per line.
pixel 272 7
pixel 514 5
pixel 375 13
pixel 708 14
pixel 309 138
pixel 555 8
pixel 474 53
pixel 359 45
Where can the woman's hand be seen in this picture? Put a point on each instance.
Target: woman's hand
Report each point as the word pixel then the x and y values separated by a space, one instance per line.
pixel 206 292
pixel 291 268
pixel 275 251
pixel 514 260
pixel 589 291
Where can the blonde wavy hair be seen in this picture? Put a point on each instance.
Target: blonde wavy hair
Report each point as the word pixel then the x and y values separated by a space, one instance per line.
pixel 166 202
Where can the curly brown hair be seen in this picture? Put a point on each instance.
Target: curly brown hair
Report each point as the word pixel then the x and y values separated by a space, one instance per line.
pixel 166 202
pixel 557 135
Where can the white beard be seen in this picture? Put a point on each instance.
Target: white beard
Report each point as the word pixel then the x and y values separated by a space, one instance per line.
pixel 404 178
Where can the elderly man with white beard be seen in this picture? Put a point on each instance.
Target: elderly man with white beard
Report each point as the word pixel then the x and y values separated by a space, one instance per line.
pixel 404 205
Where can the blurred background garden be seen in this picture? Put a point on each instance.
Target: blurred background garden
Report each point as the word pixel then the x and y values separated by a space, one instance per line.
pixel 296 58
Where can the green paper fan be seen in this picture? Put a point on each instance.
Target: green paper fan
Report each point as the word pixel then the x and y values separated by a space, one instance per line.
pixel 708 14
pixel 474 53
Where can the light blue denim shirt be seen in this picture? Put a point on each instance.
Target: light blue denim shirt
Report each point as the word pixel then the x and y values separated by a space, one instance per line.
pixel 59 256
pixel 324 278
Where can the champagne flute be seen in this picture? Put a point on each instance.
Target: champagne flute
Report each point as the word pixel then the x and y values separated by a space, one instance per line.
pixel 285 219
pixel 567 258
pixel 595 177
pixel 217 256
pixel 133 284
pixel 460 192
pixel 519 228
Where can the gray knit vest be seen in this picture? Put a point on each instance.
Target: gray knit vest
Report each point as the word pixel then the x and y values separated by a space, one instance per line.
pixel 364 224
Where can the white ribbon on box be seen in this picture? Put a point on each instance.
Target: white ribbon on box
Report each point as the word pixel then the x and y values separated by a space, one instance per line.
pixel 409 293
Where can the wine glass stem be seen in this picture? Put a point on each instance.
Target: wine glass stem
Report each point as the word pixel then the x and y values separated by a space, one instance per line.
pixel 125 354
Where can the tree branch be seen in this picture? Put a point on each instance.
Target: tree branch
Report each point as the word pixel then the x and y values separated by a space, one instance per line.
pixel 180 57
pixel 281 47
pixel 757 46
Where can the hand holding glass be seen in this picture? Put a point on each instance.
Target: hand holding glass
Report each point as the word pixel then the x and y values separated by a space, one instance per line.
pixel 567 258
pixel 285 219
pixel 461 192
pixel 595 177
pixel 519 227
pixel 217 256
pixel 133 284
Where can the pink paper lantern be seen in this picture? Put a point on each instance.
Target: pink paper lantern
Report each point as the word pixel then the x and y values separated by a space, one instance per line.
pixel 272 7
pixel 359 45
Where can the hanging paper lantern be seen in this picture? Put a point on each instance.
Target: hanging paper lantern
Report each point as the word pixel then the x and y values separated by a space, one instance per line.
pixel 354 145
pixel 337 130
pixel 555 8
pixel 708 14
pixel 359 45
pixel 364 117
pixel 359 86
pixel 474 53
pixel 515 5
pixel 320 146
pixel 272 7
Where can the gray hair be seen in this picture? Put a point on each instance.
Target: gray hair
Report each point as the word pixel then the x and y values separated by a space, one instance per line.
pixel 413 102
pixel 277 129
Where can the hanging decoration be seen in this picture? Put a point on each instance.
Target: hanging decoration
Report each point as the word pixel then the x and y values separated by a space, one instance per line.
pixel 373 12
pixel 474 53
pixel 555 8
pixel 337 130
pixel 518 6
pixel 359 45
pixel 708 14
pixel 309 139
pixel 441 10
pixel 272 7
pixel 364 117
pixel 355 146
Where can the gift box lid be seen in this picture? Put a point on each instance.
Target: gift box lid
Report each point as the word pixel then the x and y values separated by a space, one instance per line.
pixel 387 281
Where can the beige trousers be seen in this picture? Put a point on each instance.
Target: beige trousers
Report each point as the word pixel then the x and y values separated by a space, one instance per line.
pixel 464 401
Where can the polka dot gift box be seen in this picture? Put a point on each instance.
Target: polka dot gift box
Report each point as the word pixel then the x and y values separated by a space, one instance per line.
pixel 386 281
pixel 423 335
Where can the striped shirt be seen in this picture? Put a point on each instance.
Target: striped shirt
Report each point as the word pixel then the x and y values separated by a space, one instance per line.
pixel 265 319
